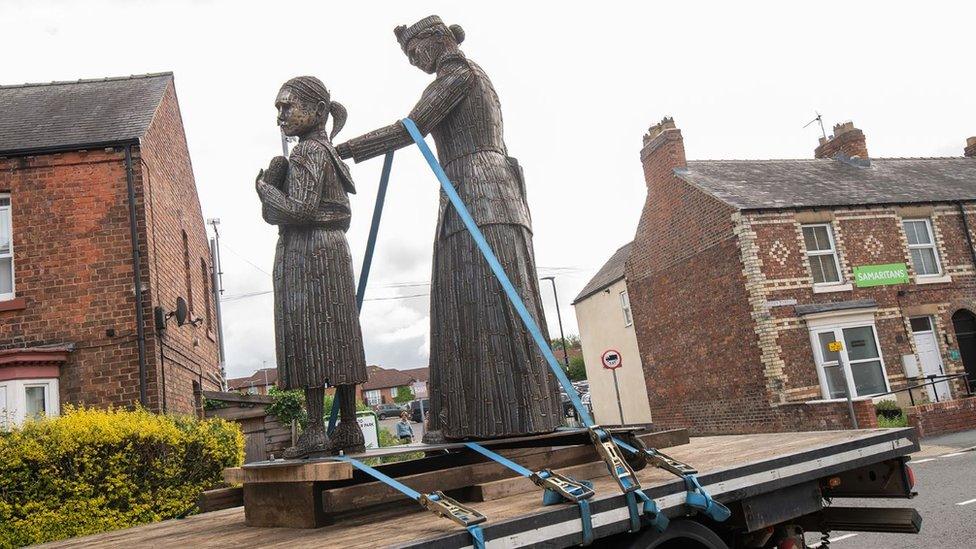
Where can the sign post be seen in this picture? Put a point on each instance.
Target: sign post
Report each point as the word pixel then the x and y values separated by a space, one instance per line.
pixel 837 347
pixel 611 361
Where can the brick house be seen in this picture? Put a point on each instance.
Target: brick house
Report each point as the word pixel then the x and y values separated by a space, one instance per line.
pixel 97 198
pixel 258 383
pixel 743 270
pixel 383 384
pixel 420 378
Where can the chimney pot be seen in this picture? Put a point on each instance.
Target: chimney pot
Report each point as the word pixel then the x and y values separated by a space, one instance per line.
pixel 970 150
pixel 847 141
pixel 666 123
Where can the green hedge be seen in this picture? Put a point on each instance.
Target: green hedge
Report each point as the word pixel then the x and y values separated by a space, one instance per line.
pixel 91 471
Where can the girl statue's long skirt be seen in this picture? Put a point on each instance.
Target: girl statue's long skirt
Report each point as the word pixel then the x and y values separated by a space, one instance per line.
pixel 488 378
pixel 317 334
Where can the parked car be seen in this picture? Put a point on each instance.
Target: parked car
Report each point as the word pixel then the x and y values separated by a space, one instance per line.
pixel 415 409
pixel 384 411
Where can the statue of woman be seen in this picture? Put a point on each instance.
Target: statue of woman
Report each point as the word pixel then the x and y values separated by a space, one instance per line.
pixel 488 378
pixel 317 333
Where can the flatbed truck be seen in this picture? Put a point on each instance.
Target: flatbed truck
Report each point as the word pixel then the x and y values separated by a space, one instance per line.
pixel 777 486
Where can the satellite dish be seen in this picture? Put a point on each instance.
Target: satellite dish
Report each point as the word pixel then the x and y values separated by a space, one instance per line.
pixel 181 311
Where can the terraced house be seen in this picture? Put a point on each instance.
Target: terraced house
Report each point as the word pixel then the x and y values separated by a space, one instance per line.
pixel 100 227
pixel 742 272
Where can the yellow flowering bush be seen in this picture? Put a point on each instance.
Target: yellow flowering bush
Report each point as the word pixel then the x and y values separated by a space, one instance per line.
pixel 93 470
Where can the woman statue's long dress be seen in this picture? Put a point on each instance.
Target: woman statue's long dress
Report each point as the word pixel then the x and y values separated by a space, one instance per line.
pixel 487 377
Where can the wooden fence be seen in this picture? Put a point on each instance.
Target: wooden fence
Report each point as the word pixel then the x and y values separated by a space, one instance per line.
pixel 264 435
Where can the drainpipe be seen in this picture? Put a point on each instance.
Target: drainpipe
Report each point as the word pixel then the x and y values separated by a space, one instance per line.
pixel 965 226
pixel 137 276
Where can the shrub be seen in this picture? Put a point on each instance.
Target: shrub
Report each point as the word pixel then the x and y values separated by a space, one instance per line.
pixel 90 471
pixel 887 423
pixel 888 409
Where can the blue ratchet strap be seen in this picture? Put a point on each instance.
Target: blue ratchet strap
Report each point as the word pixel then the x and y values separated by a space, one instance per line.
pixel 558 488
pixel 374 228
pixel 563 486
pixel 604 442
pixel 435 502
pixel 698 499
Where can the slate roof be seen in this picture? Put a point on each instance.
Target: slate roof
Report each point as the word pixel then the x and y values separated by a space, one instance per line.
pixel 69 114
pixel 771 184
pixel 610 272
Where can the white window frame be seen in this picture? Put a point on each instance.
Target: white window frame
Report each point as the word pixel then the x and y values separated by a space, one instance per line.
pixel 625 306
pixel 16 391
pixel 931 245
pixel 373 397
pixel 393 392
pixel 832 251
pixel 837 322
pixel 13 282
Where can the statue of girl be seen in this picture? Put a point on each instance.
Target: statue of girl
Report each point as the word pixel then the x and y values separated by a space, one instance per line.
pixel 317 333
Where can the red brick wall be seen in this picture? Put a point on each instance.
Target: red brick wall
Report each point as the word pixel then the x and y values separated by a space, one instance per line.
pixel 720 351
pixel 189 352
pixel 846 140
pixel 691 312
pixel 73 266
pixel 937 418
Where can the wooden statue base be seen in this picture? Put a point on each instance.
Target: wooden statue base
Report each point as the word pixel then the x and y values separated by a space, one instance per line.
pixel 316 492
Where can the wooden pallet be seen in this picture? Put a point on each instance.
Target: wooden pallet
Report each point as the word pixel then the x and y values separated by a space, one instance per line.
pixel 313 493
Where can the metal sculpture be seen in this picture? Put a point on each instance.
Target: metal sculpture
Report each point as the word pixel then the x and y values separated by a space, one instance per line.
pixel 487 377
pixel 317 333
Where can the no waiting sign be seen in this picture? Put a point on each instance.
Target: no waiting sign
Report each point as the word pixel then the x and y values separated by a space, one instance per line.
pixel 611 359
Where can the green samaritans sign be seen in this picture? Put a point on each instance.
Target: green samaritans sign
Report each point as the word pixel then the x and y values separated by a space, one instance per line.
pixel 880 275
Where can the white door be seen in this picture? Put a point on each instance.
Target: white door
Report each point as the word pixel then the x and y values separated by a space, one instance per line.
pixel 929 358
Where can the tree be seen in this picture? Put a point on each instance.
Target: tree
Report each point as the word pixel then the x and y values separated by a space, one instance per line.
pixel 404 395
pixel 577 368
pixel 572 342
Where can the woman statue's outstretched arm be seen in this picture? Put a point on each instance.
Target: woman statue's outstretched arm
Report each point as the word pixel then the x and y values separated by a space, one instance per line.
pixel 437 101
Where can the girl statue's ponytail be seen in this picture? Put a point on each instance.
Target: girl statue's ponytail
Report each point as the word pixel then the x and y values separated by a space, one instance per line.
pixel 339 115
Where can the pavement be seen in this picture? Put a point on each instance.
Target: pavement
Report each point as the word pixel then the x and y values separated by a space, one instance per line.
pixel 390 425
pixel 945 479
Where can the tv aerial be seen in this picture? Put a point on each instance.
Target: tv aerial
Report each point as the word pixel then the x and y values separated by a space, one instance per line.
pixel 819 120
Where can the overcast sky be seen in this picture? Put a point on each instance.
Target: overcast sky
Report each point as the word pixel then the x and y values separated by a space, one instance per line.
pixel 579 85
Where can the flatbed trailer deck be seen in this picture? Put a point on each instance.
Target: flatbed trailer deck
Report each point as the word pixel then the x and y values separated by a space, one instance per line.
pixel 732 468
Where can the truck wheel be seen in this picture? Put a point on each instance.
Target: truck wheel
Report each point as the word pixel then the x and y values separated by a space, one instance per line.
pixel 681 534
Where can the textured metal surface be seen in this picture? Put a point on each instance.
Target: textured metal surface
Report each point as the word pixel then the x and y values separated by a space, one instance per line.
pixel 317 333
pixel 487 377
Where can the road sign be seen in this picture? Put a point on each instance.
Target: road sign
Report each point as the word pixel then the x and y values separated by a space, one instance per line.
pixel 611 359
pixel 835 346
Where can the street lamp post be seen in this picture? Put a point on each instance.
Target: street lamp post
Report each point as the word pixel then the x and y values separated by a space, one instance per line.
pixel 560 318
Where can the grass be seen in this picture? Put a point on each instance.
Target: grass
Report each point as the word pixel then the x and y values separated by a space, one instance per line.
pixel 885 423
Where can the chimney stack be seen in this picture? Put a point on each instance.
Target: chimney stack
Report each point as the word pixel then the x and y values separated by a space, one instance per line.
pixel 663 151
pixel 970 150
pixel 847 141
